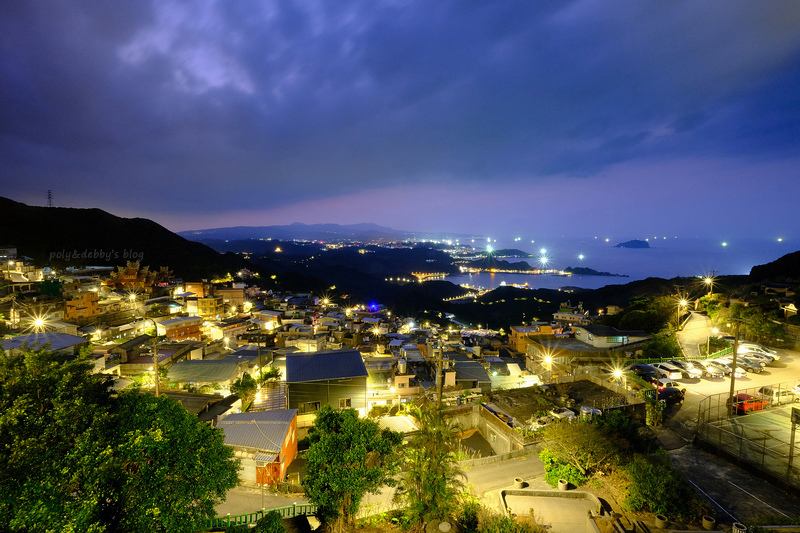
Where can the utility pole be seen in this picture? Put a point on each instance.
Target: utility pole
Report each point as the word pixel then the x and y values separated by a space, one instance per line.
pixel 710 282
pixel 439 376
pixel 733 366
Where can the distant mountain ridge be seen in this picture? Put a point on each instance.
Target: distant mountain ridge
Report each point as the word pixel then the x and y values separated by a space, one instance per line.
pixel 64 237
pixel 366 231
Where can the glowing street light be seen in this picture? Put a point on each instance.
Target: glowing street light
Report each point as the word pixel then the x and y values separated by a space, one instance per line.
pixel 681 304
pixel 708 341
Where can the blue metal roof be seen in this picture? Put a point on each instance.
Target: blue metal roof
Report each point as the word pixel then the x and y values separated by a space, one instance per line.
pixel 262 430
pixel 320 366
pixel 34 341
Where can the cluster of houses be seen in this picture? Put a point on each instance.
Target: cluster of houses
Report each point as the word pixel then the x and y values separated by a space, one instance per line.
pixel 206 336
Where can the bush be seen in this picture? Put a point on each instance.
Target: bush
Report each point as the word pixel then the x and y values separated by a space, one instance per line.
pixel 555 471
pixel 270 523
pixel 656 487
pixel 468 518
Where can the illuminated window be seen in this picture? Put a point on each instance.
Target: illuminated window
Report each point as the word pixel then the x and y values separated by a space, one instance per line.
pixel 344 403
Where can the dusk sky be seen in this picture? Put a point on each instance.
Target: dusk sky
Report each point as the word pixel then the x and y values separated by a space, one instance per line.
pixel 507 117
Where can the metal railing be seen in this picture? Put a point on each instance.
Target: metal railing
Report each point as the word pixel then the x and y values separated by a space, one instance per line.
pixel 290 511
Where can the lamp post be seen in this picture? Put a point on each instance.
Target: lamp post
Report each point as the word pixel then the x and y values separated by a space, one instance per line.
pixel 155 354
pixel 708 341
pixel 548 361
pixel 681 305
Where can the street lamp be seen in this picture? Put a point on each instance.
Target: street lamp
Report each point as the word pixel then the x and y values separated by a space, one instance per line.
pixel 681 305
pixel 710 282
pixel 708 342
pixel 548 361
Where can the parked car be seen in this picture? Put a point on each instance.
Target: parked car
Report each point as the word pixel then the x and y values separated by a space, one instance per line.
pixel 712 370
pixel 645 372
pixel 757 356
pixel 745 363
pixel 745 403
pixel 757 348
pixel 739 371
pixel 668 371
pixel 562 413
pixel 796 388
pixel 778 396
pixel 670 395
pixel 688 370
pixel 665 383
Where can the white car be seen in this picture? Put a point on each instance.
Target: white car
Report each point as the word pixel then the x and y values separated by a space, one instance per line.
pixel 796 388
pixel 740 372
pixel 668 371
pixel 757 348
pixel 757 356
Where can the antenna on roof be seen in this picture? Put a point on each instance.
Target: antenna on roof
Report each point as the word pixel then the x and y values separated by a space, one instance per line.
pixel 49 198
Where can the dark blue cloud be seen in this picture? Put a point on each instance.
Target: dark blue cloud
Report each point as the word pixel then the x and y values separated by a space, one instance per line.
pixel 228 105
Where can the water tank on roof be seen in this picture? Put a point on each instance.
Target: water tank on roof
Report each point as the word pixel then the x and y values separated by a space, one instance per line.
pixel 401 366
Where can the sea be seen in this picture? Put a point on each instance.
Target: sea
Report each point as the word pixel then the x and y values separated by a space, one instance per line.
pixel 667 257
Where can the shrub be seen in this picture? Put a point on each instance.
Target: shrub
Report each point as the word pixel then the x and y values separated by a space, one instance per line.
pixel 554 471
pixel 270 523
pixel 657 487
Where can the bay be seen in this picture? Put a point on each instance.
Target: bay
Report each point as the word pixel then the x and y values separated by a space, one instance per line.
pixel 666 258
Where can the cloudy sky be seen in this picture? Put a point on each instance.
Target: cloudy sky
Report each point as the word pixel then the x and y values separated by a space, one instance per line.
pixel 502 117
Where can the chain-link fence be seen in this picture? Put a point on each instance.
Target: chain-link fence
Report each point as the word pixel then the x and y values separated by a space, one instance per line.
pixel 756 428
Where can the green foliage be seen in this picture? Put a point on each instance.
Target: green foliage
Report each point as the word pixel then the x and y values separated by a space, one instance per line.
pixel 657 487
pixel 468 517
pixel 378 411
pixel 588 447
pixel 347 458
pixel 272 372
pixel 662 347
pixel 554 471
pixel 626 427
pixel 431 481
pixel 270 523
pixel 77 458
pixel 640 319
pixel 245 388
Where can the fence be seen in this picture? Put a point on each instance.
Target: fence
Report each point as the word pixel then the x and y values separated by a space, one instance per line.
pixel 251 518
pixel 761 439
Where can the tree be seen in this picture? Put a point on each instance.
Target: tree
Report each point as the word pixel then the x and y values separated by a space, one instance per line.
pixel 245 388
pixel 77 458
pixel 273 372
pixel 347 458
pixel 662 347
pixel 586 446
pixel 431 481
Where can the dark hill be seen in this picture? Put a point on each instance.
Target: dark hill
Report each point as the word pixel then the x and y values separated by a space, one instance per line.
pixel 786 268
pixel 63 237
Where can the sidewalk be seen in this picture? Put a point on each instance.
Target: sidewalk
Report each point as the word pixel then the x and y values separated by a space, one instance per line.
pixel 243 500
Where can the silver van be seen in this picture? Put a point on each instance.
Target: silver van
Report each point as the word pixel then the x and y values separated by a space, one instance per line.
pixel 778 396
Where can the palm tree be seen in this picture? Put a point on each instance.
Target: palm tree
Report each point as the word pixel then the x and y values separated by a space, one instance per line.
pixel 432 482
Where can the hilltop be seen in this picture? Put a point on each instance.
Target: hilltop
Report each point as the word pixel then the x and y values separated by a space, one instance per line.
pixel 63 237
